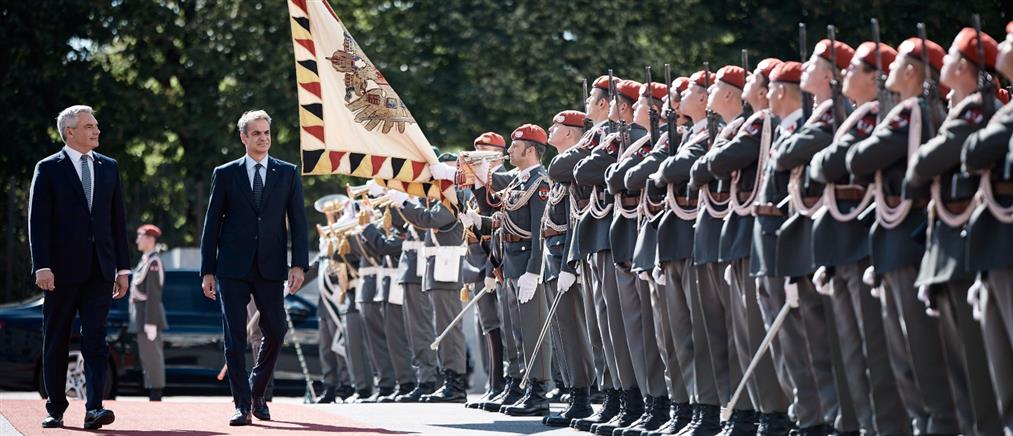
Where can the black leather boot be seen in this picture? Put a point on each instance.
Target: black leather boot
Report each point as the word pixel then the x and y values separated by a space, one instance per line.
pixel 452 391
pixel 534 402
pixel 693 422
pixel 511 393
pixel 597 395
pixel 578 406
pixel 710 421
pixel 615 419
pixel 611 407
pixel 741 423
pixel 556 395
pixel 360 395
pixel 496 383
pixel 328 396
pixel 632 410
pixel 402 389
pixel 653 418
pixel 154 395
pixel 343 392
pixel 416 394
pixel 681 415
pixel 774 424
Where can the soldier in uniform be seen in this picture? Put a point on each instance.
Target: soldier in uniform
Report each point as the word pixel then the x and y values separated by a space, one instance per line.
pixel 623 308
pixel 444 248
pixel 856 311
pixel 916 356
pixel 774 290
pixel 794 238
pixel 990 236
pixel 560 277
pixel 147 314
pixel 417 306
pixel 360 369
pixel 943 279
pixel 369 299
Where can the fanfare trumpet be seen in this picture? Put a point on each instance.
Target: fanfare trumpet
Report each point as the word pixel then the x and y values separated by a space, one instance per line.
pixel 332 206
pixel 467 160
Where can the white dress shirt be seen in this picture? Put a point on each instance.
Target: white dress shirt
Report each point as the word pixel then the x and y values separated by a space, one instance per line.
pixel 75 158
pixel 251 166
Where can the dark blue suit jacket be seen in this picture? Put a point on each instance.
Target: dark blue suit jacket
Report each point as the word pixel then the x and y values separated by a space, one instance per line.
pixel 61 230
pixel 236 232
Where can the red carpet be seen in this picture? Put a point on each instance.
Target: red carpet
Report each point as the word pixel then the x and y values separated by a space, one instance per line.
pixel 204 419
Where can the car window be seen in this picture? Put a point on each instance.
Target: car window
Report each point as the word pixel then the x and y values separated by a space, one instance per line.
pixel 182 293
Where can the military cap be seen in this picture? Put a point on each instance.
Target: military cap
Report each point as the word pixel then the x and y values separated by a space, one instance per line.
pixel 657 90
pixel 629 89
pixel 912 47
pixel 733 75
pixel 447 157
pixel 967 43
pixel 490 138
pixel 603 82
pixel 698 78
pixel 842 51
pixel 680 84
pixel 530 132
pixel 787 72
pixel 150 230
pixel 867 53
pixel 767 65
pixel 570 118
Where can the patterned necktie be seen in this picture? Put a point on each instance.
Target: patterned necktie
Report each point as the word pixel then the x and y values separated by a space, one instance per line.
pixel 86 178
pixel 258 185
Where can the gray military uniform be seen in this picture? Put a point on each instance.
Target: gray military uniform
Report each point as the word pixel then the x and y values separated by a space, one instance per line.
pixel 146 308
pixel 370 299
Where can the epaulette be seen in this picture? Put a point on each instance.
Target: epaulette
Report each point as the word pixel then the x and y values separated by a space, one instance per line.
pixel 867 124
pixel 901 119
pixel 972 113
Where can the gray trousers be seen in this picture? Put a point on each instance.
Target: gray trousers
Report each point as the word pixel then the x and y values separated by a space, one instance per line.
pixel 487 309
pixel 679 278
pixel 418 316
pixel 711 293
pixel 916 355
pixel 638 320
pixel 509 315
pixel 970 378
pixel 531 316
pixel 446 306
pixel 332 366
pixel 997 328
pixel 871 384
pixel 376 340
pixel 592 300
pixel 677 391
pixel 152 360
pixel 574 343
pixel 809 369
pixel 748 332
pixel 360 369
pixel 397 343
pixel 612 324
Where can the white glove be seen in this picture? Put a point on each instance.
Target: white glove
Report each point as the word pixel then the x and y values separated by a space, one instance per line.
pixel 790 293
pixel 476 219
pixel 869 276
pixel 481 173
pixel 322 246
pixel 925 296
pixel 977 294
pixel 151 331
pixel 728 274
pixel 397 197
pixel 490 283
pixel 659 276
pixel 565 281
pixel 466 219
pixel 526 286
pixel 375 190
pixel 821 280
pixel 442 171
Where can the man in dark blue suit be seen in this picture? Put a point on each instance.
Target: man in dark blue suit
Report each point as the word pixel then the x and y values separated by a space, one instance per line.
pixel 77 234
pixel 244 247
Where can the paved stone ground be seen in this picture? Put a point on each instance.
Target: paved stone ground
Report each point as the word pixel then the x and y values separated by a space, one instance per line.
pixel 429 419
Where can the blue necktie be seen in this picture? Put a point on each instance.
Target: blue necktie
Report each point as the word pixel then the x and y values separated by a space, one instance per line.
pixel 86 178
pixel 258 185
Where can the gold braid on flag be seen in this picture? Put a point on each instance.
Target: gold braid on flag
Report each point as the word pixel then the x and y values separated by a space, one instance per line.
pixel 351 120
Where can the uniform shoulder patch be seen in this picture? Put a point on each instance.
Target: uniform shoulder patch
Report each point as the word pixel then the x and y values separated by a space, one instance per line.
pixel 754 128
pixel 865 126
pixel 973 114
pixel 543 191
pixel 827 117
pixel 900 120
pixel 154 265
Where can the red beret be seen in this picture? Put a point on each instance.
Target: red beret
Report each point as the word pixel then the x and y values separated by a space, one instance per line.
pixel 843 52
pixel 490 138
pixel 912 47
pixel 867 53
pixel 603 82
pixel 680 84
pixel 787 72
pixel 150 230
pixel 530 132
pixel 967 43
pixel 658 90
pixel 732 75
pixel 767 65
pixel 570 118
pixel 629 89
pixel 698 78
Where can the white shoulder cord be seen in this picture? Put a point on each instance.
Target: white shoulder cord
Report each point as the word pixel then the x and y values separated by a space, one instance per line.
pixel 887 216
pixel 745 207
pixel 795 180
pixel 829 192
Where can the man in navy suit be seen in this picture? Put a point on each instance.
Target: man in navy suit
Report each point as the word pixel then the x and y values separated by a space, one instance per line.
pixel 77 235
pixel 244 247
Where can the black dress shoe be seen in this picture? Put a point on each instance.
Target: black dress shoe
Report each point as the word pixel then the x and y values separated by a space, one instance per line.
pixel 534 403
pixel 53 421
pixel 241 417
pixel 343 392
pixel 154 395
pixel 416 394
pixel 452 391
pixel 260 409
pixel 95 419
pixel 360 396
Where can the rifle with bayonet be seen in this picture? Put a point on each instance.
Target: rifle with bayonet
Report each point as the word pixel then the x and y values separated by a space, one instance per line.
pixel 803 54
pixel 588 124
pixel 611 99
pixel 712 117
pixel 986 90
pixel 652 113
pixel 747 109
pixel 670 115
pixel 837 102
pixel 930 92
pixel 624 128
pixel 883 95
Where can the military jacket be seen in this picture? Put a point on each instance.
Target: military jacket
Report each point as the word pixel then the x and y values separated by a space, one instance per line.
pixel 675 235
pixel 709 221
pixel 522 209
pixel 146 294
pixel 444 232
pixel 773 192
pixel 623 230
pixel 989 241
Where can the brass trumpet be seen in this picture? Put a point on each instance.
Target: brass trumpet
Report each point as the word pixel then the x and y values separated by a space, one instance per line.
pixel 357 190
pixel 332 206
pixel 466 161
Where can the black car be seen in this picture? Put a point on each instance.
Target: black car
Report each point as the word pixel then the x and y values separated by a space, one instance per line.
pixel 193 344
